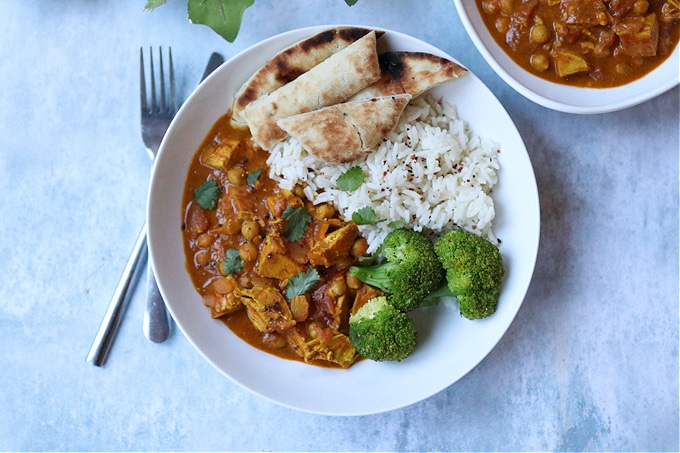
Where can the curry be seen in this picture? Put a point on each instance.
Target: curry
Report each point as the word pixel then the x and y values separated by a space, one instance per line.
pixel 586 43
pixel 265 260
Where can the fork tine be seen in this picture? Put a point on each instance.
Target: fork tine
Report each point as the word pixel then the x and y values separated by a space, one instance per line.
pixel 154 105
pixel 173 93
pixel 163 104
pixel 142 80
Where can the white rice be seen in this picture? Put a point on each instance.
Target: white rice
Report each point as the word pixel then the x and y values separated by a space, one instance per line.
pixel 431 172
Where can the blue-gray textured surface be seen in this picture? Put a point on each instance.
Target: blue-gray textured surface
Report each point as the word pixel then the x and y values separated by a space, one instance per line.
pixel 590 362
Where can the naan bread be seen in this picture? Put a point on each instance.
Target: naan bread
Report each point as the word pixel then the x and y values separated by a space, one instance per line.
pixel 288 64
pixel 412 73
pixel 333 80
pixel 347 131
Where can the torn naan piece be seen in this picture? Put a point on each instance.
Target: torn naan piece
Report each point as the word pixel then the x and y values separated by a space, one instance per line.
pixel 333 80
pixel 412 73
pixel 293 61
pixel 348 131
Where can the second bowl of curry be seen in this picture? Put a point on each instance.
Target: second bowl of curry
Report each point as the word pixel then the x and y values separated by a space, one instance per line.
pixel 578 56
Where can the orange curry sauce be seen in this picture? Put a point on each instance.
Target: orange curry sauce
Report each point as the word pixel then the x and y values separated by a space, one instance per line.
pixel 586 43
pixel 248 218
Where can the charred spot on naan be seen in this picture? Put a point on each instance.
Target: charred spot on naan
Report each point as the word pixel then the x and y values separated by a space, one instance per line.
pixel 333 80
pixel 292 62
pixel 412 73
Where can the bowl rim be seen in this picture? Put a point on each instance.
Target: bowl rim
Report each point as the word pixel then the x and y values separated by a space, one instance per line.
pixel 662 79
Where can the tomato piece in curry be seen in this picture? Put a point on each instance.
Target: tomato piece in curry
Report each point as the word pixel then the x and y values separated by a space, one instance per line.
pixel 243 259
pixel 586 43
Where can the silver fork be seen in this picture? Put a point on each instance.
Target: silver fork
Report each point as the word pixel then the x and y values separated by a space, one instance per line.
pixel 155 121
pixel 156 118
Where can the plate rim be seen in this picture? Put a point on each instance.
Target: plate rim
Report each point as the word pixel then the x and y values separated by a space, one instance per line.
pixel 154 233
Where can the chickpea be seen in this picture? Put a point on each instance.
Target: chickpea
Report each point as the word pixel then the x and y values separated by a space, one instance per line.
pixel 233 226
pixel 353 282
pixel 250 229
pixel 359 248
pixel 299 191
pixel 205 240
pixel 248 252
pixel 344 263
pixel 338 287
pixel 490 6
pixel 237 175
pixel 325 211
pixel 313 329
pixel 299 307
pixel 640 7
pixel 223 285
pixel 502 24
pixel 539 62
pixel 540 33
pixel 507 6
pixel 202 258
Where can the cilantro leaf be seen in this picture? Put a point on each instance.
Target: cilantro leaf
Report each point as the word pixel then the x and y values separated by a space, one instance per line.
pixel 396 224
pixel 252 177
pixel 301 282
pixel 207 194
pixel 223 16
pixel 364 216
pixel 298 222
pixel 232 264
pixel 351 180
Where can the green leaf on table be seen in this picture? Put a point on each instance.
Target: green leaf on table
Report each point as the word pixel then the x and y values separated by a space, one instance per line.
pixel 223 16
pixel 207 194
pixel 351 2
pixel 153 4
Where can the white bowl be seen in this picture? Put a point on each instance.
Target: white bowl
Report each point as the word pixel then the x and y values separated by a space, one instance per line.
pixel 449 346
pixel 560 97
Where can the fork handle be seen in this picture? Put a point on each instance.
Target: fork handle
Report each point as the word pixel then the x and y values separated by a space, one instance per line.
pixel 116 309
pixel 156 325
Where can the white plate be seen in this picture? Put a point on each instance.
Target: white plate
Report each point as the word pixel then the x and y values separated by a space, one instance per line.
pixel 560 97
pixel 449 346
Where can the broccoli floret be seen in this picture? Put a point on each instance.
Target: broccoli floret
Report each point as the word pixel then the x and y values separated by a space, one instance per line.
pixel 380 332
pixel 410 272
pixel 474 270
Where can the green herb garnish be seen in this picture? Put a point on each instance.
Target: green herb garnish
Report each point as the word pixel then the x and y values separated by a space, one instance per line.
pixel 298 222
pixel 365 216
pixel 396 224
pixel 232 264
pixel 252 177
pixel 351 180
pixel 301 282
pixel 207 194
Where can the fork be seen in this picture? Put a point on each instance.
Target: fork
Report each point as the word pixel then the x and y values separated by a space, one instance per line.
pixel 155 121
